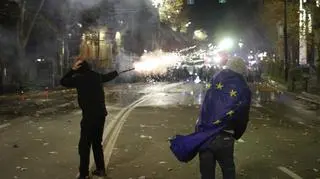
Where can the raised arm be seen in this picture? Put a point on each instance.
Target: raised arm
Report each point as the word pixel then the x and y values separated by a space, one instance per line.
pixel 109 76
pixel 70 80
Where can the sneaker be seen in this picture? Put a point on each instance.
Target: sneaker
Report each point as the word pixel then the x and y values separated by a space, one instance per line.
pixel 99 173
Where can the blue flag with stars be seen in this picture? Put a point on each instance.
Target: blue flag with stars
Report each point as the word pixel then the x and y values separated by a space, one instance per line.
pixel 228 98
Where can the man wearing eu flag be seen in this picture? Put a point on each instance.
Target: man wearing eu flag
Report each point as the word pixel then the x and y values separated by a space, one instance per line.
pixel 223 118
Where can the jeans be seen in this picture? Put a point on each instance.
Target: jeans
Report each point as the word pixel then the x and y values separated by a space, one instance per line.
pixel 91 136
pixel 219 150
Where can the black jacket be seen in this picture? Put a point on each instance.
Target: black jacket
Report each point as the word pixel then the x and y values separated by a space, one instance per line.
pixel 90 90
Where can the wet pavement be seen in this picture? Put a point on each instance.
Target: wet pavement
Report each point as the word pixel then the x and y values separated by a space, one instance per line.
pixel 282 139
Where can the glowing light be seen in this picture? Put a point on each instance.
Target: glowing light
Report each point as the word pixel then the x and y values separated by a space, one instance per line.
pixel 197 80
pixel 102 34
pixel 302 34
pixel 240 44
pixel 157 3
pixel 310 23
pixel 250 57
pixel 318 3
pixel 200 35
pixel 156 62
pixel 118 36
pixel 217 59
pixel 226 44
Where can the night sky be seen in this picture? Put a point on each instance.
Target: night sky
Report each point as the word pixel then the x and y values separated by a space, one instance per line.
pixel 236 18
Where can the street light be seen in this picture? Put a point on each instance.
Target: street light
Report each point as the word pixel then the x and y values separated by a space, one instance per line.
pixel 240 44
pixel 226 44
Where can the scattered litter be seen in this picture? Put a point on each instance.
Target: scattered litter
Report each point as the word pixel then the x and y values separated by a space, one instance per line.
pixel 170 169
pixel 53 152
pixel 142 177
pixel 315 170
pixel 26 158
pixel 38 139
pixel 305 133
pixel 21 168
pixel 163 162
pixel 45 144
pixel 240 141
pixel 143 137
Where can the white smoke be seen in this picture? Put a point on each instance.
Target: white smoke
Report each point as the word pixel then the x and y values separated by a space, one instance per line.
pixel 156 62
pixel 86 3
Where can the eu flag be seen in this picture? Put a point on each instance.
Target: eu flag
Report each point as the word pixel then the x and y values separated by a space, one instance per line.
pixel 227 99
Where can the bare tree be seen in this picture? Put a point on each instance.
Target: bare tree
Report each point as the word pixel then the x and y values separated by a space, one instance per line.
pixel 24 29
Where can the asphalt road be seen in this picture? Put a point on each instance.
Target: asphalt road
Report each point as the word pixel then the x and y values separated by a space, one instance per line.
pixel 282 139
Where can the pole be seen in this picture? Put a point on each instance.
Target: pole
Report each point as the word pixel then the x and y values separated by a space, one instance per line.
pixel 285 38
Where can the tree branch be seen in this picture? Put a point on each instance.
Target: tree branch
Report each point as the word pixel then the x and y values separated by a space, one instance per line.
pixel 32 23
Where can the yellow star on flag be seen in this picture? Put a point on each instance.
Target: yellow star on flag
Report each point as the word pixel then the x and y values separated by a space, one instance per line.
pixel 219 86
pixel 217 122
pixel 233 93
pixel 230 113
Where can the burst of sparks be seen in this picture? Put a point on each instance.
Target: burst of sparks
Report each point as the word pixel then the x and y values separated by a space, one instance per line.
pixel 156 62
pixel 157 3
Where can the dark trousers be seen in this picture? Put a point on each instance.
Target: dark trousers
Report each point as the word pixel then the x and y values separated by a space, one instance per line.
pixel 219 150
pixel 91 135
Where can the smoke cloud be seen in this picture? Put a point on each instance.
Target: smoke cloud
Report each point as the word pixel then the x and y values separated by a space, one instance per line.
pixel 86 3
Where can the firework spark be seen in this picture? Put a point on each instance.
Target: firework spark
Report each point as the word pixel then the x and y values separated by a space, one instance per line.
pixel 156 62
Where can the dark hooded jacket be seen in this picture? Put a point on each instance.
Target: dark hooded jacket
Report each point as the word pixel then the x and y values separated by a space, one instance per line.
pixel 89 85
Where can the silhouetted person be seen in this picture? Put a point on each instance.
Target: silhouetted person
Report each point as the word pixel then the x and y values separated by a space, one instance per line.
pixel 89 85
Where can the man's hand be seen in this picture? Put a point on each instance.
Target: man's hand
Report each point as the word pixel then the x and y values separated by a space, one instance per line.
pixel 77 64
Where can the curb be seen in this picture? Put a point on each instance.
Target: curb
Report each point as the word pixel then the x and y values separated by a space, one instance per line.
pixel 308 97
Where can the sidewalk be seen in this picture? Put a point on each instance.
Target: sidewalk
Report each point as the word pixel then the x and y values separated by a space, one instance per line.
pixel 313 96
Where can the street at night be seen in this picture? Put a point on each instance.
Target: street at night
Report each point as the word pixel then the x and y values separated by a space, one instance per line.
pixel 160 89
pixel 282 135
